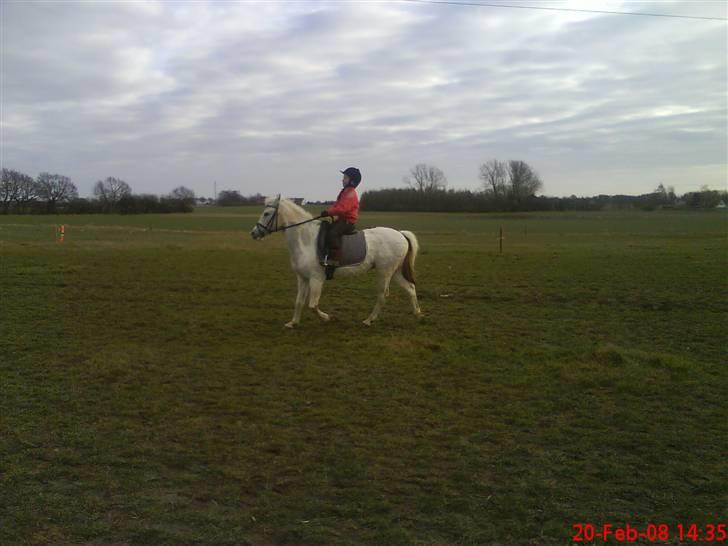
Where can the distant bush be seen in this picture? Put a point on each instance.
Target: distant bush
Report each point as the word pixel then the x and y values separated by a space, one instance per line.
pixel 231 198
pixel 148 203
pixel 82 206
pixel 408 199
pixel 55 193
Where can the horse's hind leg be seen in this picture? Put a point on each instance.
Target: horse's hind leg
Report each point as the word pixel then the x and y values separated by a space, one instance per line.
pixel 315 285
pixel 383 286
pixel 409 287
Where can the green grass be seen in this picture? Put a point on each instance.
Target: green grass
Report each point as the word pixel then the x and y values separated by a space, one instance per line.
pixel 150 395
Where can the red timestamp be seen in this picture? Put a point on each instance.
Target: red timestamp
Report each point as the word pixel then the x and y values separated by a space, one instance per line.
pixel 652 532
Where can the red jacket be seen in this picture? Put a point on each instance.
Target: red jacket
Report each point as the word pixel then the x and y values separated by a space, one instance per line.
pixel 346 206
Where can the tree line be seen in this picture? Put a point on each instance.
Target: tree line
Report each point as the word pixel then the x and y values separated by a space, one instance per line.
pixel 506 186
pixel 54 193
pixel 513 186
pixel 230 198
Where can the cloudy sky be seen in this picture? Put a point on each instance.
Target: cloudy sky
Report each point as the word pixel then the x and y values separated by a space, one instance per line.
pixel 279 96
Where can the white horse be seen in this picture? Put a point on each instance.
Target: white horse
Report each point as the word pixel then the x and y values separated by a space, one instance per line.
pixel 390 253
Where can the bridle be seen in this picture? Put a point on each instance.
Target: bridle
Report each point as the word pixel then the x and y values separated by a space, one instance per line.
pixel 270 227
pixel 274 217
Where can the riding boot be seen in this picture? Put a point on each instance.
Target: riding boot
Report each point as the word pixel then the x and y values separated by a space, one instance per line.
pixel 334 257
pixel 332 262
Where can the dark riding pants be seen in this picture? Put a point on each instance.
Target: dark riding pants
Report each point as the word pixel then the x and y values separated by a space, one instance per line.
pixel 339 228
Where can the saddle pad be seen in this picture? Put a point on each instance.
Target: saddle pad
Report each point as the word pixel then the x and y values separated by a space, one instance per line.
pixel 353 247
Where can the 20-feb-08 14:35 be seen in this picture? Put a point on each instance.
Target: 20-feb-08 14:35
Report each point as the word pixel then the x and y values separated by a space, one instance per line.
pixel 692 532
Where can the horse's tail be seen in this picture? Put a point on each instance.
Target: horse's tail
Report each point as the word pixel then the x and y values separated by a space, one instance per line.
pixel 408 265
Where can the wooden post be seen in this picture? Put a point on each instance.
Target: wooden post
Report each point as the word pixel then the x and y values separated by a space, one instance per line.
pixel 500 240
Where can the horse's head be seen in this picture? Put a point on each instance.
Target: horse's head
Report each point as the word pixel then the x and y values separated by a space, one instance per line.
pixel 268 220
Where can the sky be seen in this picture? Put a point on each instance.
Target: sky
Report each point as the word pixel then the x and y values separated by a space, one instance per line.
pixel 278 97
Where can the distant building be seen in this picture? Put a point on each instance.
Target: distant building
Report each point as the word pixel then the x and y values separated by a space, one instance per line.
pixel 721 205
pixel 298 200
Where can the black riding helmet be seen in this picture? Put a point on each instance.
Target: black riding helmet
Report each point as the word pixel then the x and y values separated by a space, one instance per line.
pixel 354 175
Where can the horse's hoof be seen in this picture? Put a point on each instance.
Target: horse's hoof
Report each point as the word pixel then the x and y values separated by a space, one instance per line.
pixel 367 322
pixel 324 316
pixel 290 324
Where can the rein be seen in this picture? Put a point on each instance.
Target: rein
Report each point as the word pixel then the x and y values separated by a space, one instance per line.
pixel 283 228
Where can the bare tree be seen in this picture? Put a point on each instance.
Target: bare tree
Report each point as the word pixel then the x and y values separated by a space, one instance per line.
pixel 16 189
pixel 671 194
pixel 494 177
pixel 523 181
pixel 55 188
pixel 424 177
pixel 9 188
pixel 28 191
pixel 110 191
pixel 184 194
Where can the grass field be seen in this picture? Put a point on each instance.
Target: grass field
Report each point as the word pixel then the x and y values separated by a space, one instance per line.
pixel 149 393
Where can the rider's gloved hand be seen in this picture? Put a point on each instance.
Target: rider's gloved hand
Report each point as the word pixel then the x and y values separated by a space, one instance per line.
pixel 325 213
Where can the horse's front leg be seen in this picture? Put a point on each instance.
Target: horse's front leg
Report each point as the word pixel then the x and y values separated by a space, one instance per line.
pixel 315 285
pixel 300 302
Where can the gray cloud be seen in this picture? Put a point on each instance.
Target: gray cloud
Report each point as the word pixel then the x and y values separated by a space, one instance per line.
pixel 278 96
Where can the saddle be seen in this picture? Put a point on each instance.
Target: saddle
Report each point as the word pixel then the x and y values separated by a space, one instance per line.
pixel 353 247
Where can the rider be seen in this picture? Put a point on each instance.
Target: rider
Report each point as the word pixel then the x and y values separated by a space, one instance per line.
pixel 346 210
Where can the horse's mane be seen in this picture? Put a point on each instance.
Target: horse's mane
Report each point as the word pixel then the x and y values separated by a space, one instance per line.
pixel 286 205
